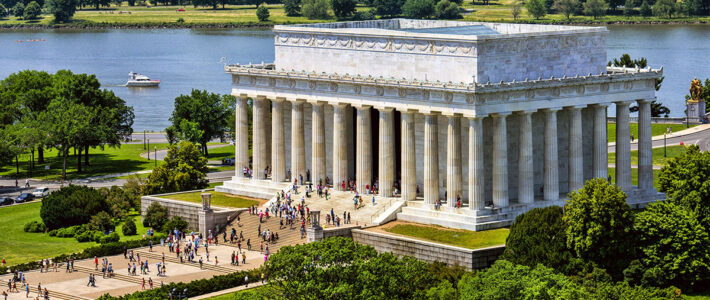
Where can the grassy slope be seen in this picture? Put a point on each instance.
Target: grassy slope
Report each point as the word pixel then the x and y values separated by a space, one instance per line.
pixel 498 11
pixel 218 199
pixel 658 159
pixel 19 247
pixel 656 129
pixel 634 176
pixel 461 238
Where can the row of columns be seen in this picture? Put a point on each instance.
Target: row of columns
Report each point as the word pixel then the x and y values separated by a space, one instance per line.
pixel 454 182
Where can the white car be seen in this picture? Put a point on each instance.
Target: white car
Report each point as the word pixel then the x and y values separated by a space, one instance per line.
pixel 40 192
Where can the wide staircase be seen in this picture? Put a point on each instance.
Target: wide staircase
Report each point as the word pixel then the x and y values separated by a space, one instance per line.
pixel 170 258
pixel 249 225
pixel 262 189
pixel 118 276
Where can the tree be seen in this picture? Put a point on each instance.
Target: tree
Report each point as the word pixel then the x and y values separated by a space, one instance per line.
pixel 539 237
pixel 645 9
pixel 32 11
pixel 515 9
pixel 18 10
pixel 629 7
pixel 98 3
pixel 71 205
pixel 418 9
pixel 447 10
pixel 686 182
pixel 315 9
pixel 65 124
pixel 566 7
pixel 536 8
pixel 292 7
pixel 388 8
pixel 101 222
pixel 595 8
pixel 600 225
pixel 183 169
pixel 627 62
pixel 3 11
pixel 262 13
pixel 155 216
pixel 202 116
pixel 176 223
pixel 664 8
pixel 119 201
pixel 129 227
pixel 343 9
pixel 63 10
pixel 675 246
pixel 691 7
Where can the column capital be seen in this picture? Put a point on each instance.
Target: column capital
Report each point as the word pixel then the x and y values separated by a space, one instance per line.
pixel 384 108
pixel 525 112
pixel 407 111
pixel 501 114
pixel 243 96
pixel 624 102
pixel 279 99
pixel 602 105
pixel 551 109
pixel 453 115
pixel 317 102
pixel 645 101
pixel 474 117
pixel 260 97
pixel 576 107
pixel 298 101
pixel 340 105
pixel 430 113
pixel 361 106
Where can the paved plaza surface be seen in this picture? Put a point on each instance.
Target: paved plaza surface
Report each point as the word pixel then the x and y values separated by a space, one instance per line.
pixel 64 285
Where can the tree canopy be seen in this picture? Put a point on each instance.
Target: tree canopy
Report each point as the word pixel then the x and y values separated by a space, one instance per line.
pixel 184 168
pixel 202 116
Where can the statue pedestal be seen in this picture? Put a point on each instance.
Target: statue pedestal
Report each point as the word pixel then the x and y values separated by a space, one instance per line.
pixel 696 110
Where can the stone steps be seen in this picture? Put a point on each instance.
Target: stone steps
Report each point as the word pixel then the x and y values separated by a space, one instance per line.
pixel 426 219
pixel 172 259
pixel 121 277
pixel 263 189
pixel 458 215
pixel 250 224
pixel 63 296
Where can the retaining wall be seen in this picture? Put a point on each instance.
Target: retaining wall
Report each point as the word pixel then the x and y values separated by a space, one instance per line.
pixel 191 212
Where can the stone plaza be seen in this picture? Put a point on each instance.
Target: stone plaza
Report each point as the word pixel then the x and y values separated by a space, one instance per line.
pixel 467 124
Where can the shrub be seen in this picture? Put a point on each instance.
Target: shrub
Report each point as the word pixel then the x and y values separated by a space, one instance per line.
pixel 156 216
pixel 71 205
pixel 538 236
pixel 66 232
pixel 129 228
pixel 97 236
pixel 53 232
pixel 32 11
pixel 364 15
pixel 262 13
pixel 175 223
pixel 35 226
pixel 101 222
pixel 447 10
pixel 315 9
pixel 180 20
pixel 86 236
pixel 111 238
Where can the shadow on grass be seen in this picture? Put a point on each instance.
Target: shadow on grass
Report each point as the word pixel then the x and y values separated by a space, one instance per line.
pixel 99 164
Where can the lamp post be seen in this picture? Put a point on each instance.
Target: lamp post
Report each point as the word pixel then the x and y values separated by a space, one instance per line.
pixel 156 155
pixel 148 149
pixel 143 139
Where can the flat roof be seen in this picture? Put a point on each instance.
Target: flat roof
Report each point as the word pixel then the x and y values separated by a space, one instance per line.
pixel 458 30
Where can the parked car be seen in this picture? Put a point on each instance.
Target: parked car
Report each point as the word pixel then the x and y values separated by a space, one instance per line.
pixel 6 201
pixel 24 197
pixel 229 161
pixel 40 192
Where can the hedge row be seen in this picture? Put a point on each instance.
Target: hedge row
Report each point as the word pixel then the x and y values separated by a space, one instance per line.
pixel 194 288
pixel 98 251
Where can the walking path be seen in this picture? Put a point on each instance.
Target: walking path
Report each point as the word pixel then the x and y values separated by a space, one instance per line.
pixel 698 135
pixel 161 154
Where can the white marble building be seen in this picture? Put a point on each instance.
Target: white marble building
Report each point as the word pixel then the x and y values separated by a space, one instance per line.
pixel 506 117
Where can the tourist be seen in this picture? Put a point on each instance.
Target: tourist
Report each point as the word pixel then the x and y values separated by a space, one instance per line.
pixel 143 284
pixel 246 280
pixel 150 283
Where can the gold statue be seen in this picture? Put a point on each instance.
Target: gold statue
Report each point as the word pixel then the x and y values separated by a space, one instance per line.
pixel 695 89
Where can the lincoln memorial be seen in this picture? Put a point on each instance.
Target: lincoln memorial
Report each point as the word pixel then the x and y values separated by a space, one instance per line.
pixel 499 118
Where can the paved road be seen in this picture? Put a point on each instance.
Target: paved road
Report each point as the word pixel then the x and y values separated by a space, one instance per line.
pixel 162 153
pixel 701 137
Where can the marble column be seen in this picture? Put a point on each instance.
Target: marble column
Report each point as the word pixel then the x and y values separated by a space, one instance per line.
pixel 453 161
pixel 476 166
pixel 552 179
pixel 340 146
pixel 601 148
pixel 576 154
pixel 241 151
pixel 278 150
pixel 386 152
pixel 363 167
pixel 431 159
pixel 623 146
pixel 318 170
pixel 298 148
pixel 526 174
pixel 259 131
pixel 645 150
pixel 500 160
pixel 409 158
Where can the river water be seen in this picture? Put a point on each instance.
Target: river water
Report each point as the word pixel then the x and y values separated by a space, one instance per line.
pixel 184 59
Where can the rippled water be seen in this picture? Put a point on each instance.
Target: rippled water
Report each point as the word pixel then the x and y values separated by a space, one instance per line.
pixel 184 59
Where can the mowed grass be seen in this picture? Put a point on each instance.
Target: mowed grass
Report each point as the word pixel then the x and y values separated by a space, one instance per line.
pixel 634 176
pixel 18 246
pixel 123 159
pixel 218 199
pixel 658 159
pixel 656 129
pixel 456 237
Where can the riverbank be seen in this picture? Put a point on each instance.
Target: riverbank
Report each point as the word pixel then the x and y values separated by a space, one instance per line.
pixel 241 16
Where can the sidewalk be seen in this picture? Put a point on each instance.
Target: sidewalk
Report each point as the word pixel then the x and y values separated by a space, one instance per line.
pixel 676 134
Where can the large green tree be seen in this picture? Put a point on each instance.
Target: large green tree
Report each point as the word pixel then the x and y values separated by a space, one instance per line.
pixel 536 8
pixel 202 116
pixel 675 246
pixel 184 168
pixel 388 8
pixel 600 225
pixel 292 7
pixel 595 8
pixel 418 9
pixel 71 205
pixel 343 9
pixel 315 9
pixel 66 123
pixel 686 181
pixel 63 10
pixel 567 7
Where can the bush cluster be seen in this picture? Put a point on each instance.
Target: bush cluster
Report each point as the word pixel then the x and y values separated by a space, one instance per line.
pixel 155 216
pixel 129 228
pixel 35 226
pixel 71 205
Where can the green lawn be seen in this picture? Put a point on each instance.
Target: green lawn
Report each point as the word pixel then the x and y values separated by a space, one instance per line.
pixel 122 159
pixel 634 176
pixel 658 159
pixel 19 247
pixel 461 238
pixel 656 129
pixel 218 199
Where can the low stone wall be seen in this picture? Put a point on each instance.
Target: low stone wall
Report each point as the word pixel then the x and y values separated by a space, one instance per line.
pixel 196 217
pixel 428 251
pixel 339 231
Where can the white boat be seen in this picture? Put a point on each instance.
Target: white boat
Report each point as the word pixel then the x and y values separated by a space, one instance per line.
pixel 140 80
